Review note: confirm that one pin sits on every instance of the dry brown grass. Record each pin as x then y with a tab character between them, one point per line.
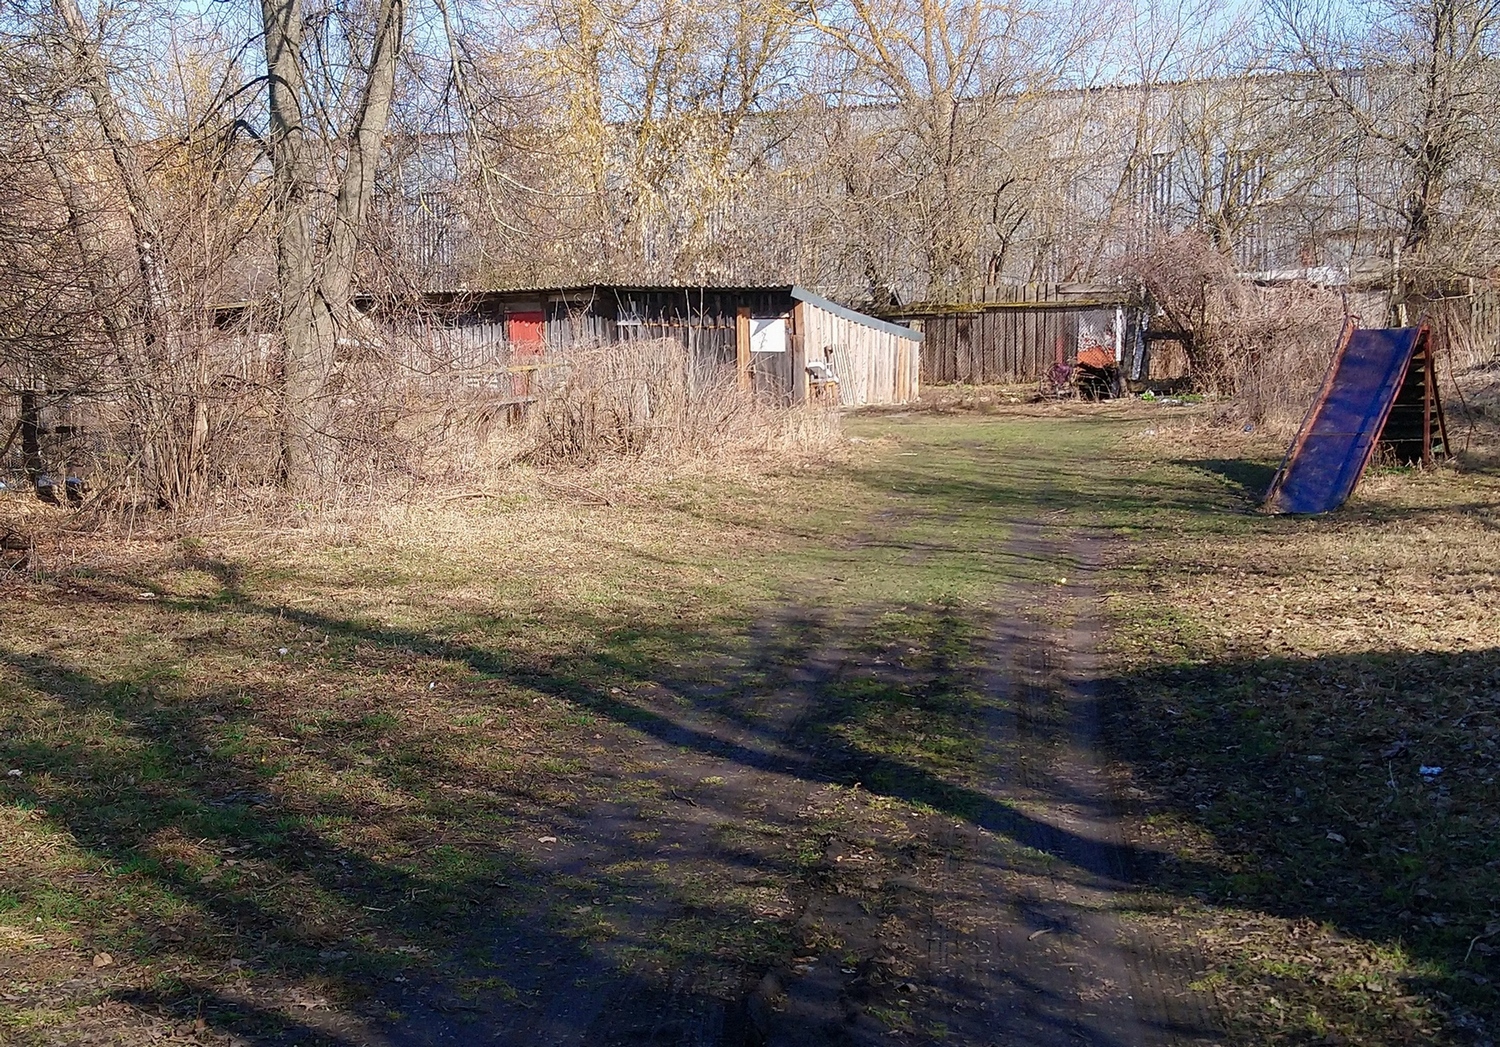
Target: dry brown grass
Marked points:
650	407
609	427
293	723
301	767
1471	398
1286	680
654	401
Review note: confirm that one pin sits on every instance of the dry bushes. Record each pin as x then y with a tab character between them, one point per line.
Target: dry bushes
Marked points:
1265	347
1278	344
657	401
406	414
640	403
407	424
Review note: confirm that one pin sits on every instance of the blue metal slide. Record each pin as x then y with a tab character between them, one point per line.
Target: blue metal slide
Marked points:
1340	432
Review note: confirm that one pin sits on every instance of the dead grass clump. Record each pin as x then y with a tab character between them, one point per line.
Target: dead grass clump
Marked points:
409	419
658	401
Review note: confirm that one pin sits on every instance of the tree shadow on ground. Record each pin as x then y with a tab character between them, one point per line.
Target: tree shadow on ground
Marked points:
397	888
482	934
1307	775
1249	479
610	841
465	933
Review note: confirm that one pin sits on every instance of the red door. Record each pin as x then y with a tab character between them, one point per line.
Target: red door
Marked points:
525	330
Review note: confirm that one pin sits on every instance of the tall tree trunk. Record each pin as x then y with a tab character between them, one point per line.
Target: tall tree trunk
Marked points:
315	270
307	336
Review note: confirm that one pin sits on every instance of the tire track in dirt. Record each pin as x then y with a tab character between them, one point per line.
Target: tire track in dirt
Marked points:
1012	926
1006	926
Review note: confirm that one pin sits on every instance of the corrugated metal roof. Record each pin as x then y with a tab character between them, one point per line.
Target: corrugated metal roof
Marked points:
795	291
575	289
802	294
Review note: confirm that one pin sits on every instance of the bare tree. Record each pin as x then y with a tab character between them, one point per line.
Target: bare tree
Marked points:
1416	83
320	222
73	113
661	106
941	99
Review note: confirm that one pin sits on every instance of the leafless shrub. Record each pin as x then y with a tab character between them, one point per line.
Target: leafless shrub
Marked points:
1278	345
656	400
409	421
1265	347
1198	294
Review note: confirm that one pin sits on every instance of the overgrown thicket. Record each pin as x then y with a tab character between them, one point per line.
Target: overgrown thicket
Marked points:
1267	347
113	246
655	400
1280	341
406	421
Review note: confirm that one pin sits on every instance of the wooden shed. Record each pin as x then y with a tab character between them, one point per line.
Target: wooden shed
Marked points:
782	340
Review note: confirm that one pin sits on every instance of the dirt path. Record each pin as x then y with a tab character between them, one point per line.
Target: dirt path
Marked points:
999	916
1013	927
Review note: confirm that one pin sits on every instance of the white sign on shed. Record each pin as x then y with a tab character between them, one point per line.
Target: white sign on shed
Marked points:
768	336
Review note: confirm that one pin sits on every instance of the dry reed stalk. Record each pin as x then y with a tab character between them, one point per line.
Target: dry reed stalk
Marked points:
410	434
654	401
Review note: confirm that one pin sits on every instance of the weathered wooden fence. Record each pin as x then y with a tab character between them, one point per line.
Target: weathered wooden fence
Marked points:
1015	333
1466	326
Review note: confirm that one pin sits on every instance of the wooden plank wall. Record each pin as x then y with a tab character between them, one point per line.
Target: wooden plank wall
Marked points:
1484	325
772	375
703	322
994	348
1016	340
873	366
414	354
424	353
708	338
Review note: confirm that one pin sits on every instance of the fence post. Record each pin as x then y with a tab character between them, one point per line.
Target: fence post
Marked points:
31	435
742	346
